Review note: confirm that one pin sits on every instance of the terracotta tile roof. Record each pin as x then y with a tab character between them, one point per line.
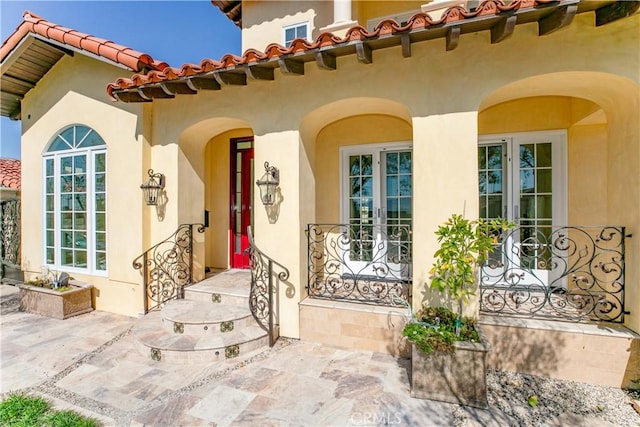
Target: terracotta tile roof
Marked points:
494	15
33	24
231	8
10	173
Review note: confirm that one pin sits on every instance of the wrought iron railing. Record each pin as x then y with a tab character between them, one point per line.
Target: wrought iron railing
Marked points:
571	273
167	268
363	263
263	297
9	235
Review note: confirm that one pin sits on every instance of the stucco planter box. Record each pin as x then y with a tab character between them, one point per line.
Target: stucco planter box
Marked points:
458	377
59	305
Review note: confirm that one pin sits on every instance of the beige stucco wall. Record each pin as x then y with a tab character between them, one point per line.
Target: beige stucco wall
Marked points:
262	21
356	130
434	98
73	93
441	100
586	146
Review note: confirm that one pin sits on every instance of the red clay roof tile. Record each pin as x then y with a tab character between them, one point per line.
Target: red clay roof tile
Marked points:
385	28
33	24
10	173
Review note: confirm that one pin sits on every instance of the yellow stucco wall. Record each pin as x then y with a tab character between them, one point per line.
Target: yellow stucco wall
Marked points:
262	21
369	129
440	100
73	93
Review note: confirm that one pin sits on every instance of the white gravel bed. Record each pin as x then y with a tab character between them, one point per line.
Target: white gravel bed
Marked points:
558	401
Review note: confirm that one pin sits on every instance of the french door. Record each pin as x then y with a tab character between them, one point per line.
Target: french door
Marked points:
241	200
522	177
377	196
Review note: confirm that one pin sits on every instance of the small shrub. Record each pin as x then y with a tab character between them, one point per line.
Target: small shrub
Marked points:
434	329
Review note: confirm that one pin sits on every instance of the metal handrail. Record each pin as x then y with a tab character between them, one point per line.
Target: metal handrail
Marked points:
571	273
263	288
167	267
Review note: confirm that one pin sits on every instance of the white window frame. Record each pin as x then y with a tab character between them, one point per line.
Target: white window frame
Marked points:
306	24
345	152
90	153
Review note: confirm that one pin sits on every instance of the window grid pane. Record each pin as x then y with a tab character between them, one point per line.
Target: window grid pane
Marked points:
75	200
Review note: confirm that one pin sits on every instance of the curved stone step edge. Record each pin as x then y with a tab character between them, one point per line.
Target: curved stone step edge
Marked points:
231	351
217	297
221	327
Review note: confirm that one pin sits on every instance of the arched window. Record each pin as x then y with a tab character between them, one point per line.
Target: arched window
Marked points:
75	201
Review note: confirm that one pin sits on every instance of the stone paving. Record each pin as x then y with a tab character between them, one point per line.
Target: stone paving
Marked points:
88	363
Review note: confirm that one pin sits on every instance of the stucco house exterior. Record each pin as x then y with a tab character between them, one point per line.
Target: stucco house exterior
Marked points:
382	118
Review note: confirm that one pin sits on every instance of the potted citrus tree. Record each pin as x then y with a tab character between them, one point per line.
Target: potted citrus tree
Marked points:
448	355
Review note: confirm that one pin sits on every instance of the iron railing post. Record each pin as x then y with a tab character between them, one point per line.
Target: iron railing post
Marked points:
271	325
145	274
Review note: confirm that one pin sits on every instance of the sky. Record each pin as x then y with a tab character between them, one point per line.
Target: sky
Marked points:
174	31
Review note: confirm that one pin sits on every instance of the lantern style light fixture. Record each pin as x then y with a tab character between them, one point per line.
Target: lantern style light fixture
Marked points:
268	183
152	188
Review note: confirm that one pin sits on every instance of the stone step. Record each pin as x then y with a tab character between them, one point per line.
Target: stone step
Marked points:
166	346
191	317
229	287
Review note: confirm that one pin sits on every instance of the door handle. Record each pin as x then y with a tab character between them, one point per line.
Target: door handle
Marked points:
516	213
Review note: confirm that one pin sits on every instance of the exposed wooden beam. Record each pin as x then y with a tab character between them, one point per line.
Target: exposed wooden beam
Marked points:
405	40
325	60
18	81
291	66
13	94
503	29
155	92
130	96
453	37
559	18
255	72
230	78
363	51
178	87
17	113
616	10
203	83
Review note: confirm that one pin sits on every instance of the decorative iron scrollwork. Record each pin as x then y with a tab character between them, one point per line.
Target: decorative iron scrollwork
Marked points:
361	263
10	233
559	272
168	267
264	287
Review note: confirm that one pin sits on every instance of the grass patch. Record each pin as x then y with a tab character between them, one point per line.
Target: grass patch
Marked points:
20	410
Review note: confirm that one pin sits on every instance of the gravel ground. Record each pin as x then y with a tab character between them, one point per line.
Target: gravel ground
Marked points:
510	392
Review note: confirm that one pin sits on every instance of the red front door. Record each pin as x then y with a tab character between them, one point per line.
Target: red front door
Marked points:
241	199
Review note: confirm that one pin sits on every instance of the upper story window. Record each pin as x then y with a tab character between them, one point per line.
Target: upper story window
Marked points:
297	31
75	165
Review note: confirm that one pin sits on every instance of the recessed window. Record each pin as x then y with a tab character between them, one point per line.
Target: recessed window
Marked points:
75	166
297	31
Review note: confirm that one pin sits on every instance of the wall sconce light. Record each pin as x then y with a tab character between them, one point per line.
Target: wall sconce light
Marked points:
151	188
268	183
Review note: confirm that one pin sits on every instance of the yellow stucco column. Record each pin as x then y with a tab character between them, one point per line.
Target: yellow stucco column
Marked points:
445	181
279	229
